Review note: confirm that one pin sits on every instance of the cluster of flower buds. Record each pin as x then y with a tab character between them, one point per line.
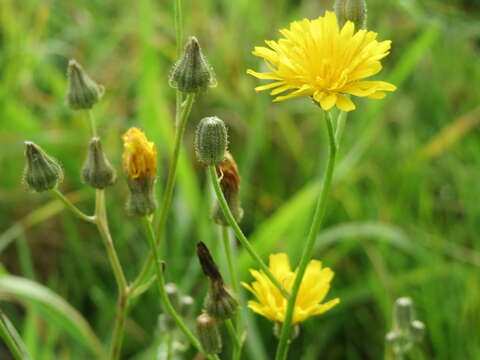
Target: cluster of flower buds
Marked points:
407	331
220	304
351	10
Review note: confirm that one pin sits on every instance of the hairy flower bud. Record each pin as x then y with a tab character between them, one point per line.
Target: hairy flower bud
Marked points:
42	172
192	73
229	176
82	92
97	170
219	303
351	10
140	165
208	334
211	140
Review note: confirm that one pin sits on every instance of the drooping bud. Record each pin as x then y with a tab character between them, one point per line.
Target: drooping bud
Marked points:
97	170
403	312
82	92
219	302
42	172
351	10
229	176
140	165
211	140
192	73
208	334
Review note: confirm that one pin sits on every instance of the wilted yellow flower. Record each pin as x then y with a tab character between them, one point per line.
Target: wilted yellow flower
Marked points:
273	305
139	155
318	59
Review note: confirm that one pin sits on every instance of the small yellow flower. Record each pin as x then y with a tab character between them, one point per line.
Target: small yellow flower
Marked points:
273	305
316	58
139	155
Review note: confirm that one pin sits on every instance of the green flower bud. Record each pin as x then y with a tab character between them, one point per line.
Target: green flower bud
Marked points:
211	140
141	200
403	313
208	334
97	170
82	92
42	172
192	73
351	10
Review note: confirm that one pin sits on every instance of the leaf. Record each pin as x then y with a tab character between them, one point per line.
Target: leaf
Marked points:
53	308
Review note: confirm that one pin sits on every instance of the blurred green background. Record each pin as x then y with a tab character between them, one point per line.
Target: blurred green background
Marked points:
404	212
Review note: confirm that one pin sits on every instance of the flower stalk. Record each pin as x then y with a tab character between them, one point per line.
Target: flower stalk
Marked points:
238	232
318	217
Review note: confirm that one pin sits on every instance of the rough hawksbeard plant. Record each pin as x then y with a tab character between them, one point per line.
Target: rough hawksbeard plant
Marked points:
318	59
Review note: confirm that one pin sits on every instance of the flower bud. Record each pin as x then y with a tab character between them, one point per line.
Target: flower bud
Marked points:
211	140
82	92
97	170
417	330
192	73
208	334
403	313
42	172
227	171
219	302
351	10
140	165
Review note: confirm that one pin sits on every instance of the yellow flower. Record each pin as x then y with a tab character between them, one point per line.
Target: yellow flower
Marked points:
317	59
139	155
273	305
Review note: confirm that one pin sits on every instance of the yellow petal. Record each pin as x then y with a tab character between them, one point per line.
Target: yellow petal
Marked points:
344	103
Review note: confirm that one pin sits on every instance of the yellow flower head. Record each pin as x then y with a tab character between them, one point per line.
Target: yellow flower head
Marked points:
139	155
273	305
317	59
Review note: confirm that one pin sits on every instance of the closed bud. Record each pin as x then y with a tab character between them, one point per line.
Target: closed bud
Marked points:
403	312
227	170
97	170
192	73
211	140
140	165
351	10
82	92
417	330
208	334
219	302
42	172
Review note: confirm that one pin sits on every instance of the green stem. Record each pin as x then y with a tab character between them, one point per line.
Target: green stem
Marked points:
68	204
238	232
103	229
12	339
93	125
233	334
234	280
318	216
163	294
167	199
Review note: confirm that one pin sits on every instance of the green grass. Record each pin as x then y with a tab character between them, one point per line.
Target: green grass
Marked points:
403	216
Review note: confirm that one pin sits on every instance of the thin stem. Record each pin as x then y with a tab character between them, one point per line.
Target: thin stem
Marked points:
167	199
318	216
12	339
68	204
234	283
93	125
163	294
103	229
233	334
238	232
